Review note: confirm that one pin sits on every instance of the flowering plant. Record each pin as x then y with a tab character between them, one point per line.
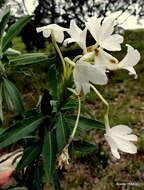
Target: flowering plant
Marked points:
55	127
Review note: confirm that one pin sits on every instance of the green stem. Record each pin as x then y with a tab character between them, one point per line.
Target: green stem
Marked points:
69	61
76	58
106	116
77	119
59	52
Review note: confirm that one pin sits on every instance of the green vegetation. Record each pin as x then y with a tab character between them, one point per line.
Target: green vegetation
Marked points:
99	170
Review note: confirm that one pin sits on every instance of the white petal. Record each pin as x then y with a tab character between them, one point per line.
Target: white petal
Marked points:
113	146
52	27
97	75
105	60
132	57
92	73
56	27
121	129
94	26
69	40
74	30
112	43
87	56
77	35
86	87
46	33
84	73
125	145
78	86
59	36
131	137
106	28
40	29
131	70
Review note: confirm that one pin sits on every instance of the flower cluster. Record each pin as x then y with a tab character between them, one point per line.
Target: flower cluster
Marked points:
92	66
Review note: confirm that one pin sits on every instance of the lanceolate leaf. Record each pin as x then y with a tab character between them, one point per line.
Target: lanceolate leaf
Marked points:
29	155
52	78
84	146
62	132
19	130
14	30
84	124
14	95
7	102
49	155
29	59
4	17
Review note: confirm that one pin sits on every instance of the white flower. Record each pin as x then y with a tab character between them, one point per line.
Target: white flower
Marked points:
119	137
57	30
30	6
107	61
85	72
102	33
131	59
76	35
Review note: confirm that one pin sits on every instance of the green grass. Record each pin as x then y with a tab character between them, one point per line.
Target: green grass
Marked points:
98	170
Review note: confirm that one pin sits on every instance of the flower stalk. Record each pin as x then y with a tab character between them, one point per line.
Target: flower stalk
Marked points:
106	116
59	52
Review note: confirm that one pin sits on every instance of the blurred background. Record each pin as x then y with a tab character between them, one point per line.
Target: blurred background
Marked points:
96	170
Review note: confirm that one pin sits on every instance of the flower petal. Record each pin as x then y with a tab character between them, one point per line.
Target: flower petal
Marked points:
107	28
120	129
77	35
94	26
112	43
84	73
105	60
46	33
59	36
132	57
125	145
113	146
87	56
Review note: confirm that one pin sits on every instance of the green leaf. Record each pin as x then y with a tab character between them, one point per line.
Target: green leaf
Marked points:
84	146
52	79
14	95
84	124
19	131
4	17
29	155
72	104
29	59
62	132
14	30
7	102
49	155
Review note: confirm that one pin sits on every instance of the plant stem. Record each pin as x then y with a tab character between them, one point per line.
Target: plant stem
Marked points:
69	61
59	52
78	116
106	116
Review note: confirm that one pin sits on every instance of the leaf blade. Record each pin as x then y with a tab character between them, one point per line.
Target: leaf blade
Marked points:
29	59
49	155
62	133
14	30
19	131
29	155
